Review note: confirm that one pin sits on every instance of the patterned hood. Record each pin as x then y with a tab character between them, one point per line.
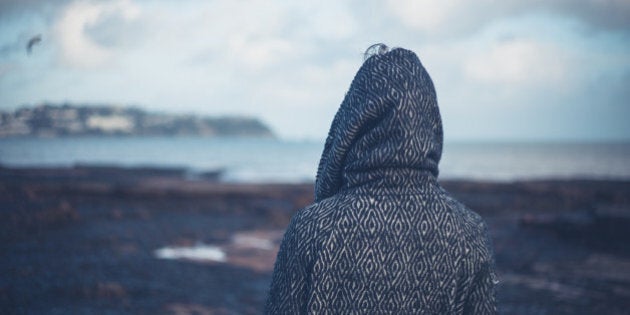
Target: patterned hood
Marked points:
388	125
383	236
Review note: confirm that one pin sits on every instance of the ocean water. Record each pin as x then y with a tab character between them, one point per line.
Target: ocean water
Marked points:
276	160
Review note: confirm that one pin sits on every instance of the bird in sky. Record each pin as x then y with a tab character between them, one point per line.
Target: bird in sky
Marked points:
32	42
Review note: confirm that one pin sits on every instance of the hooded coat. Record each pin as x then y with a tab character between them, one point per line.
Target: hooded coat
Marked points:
382	235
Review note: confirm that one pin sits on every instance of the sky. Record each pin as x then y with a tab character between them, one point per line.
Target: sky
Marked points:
504	70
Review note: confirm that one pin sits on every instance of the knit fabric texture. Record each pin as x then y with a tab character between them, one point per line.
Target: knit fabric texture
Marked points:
382	236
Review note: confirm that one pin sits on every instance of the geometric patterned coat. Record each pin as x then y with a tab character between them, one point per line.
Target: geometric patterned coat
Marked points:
382	236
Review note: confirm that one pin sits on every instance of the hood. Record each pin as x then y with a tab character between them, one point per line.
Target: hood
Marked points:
388	125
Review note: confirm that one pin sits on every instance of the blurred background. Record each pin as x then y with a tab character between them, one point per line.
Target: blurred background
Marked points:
152	152
504	70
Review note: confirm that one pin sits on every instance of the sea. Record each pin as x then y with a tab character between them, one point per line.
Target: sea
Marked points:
263	160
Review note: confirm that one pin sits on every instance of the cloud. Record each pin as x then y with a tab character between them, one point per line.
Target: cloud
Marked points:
257	54
16	7
290	62
257	33
457	17
17	45
77	48
524	62
601	14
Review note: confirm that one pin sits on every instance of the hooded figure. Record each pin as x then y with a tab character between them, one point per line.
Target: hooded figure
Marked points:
382	235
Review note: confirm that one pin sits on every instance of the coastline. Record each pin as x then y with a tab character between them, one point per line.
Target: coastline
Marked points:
81	241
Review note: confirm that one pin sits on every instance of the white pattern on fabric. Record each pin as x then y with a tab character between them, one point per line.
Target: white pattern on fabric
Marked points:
382	236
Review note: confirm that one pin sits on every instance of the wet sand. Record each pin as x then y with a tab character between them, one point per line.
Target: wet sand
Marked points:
82	240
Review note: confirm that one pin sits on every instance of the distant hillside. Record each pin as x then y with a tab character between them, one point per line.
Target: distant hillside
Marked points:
50	120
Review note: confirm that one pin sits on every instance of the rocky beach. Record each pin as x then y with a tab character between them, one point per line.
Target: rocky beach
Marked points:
110	240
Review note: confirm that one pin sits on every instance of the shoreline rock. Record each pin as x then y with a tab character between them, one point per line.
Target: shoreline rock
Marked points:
90	244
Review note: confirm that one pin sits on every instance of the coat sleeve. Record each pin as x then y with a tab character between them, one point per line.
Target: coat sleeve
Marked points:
482	296
288	293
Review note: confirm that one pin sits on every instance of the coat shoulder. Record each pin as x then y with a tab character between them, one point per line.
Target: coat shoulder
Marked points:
472	227
310	221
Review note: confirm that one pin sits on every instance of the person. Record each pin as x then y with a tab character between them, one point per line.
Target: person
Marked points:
383	236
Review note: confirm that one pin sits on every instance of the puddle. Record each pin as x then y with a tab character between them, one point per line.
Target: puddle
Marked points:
199	252
254	250
252	242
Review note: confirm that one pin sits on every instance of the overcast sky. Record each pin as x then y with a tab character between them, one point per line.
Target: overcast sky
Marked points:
503	69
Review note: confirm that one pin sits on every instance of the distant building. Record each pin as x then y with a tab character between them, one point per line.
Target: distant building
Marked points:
49	120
